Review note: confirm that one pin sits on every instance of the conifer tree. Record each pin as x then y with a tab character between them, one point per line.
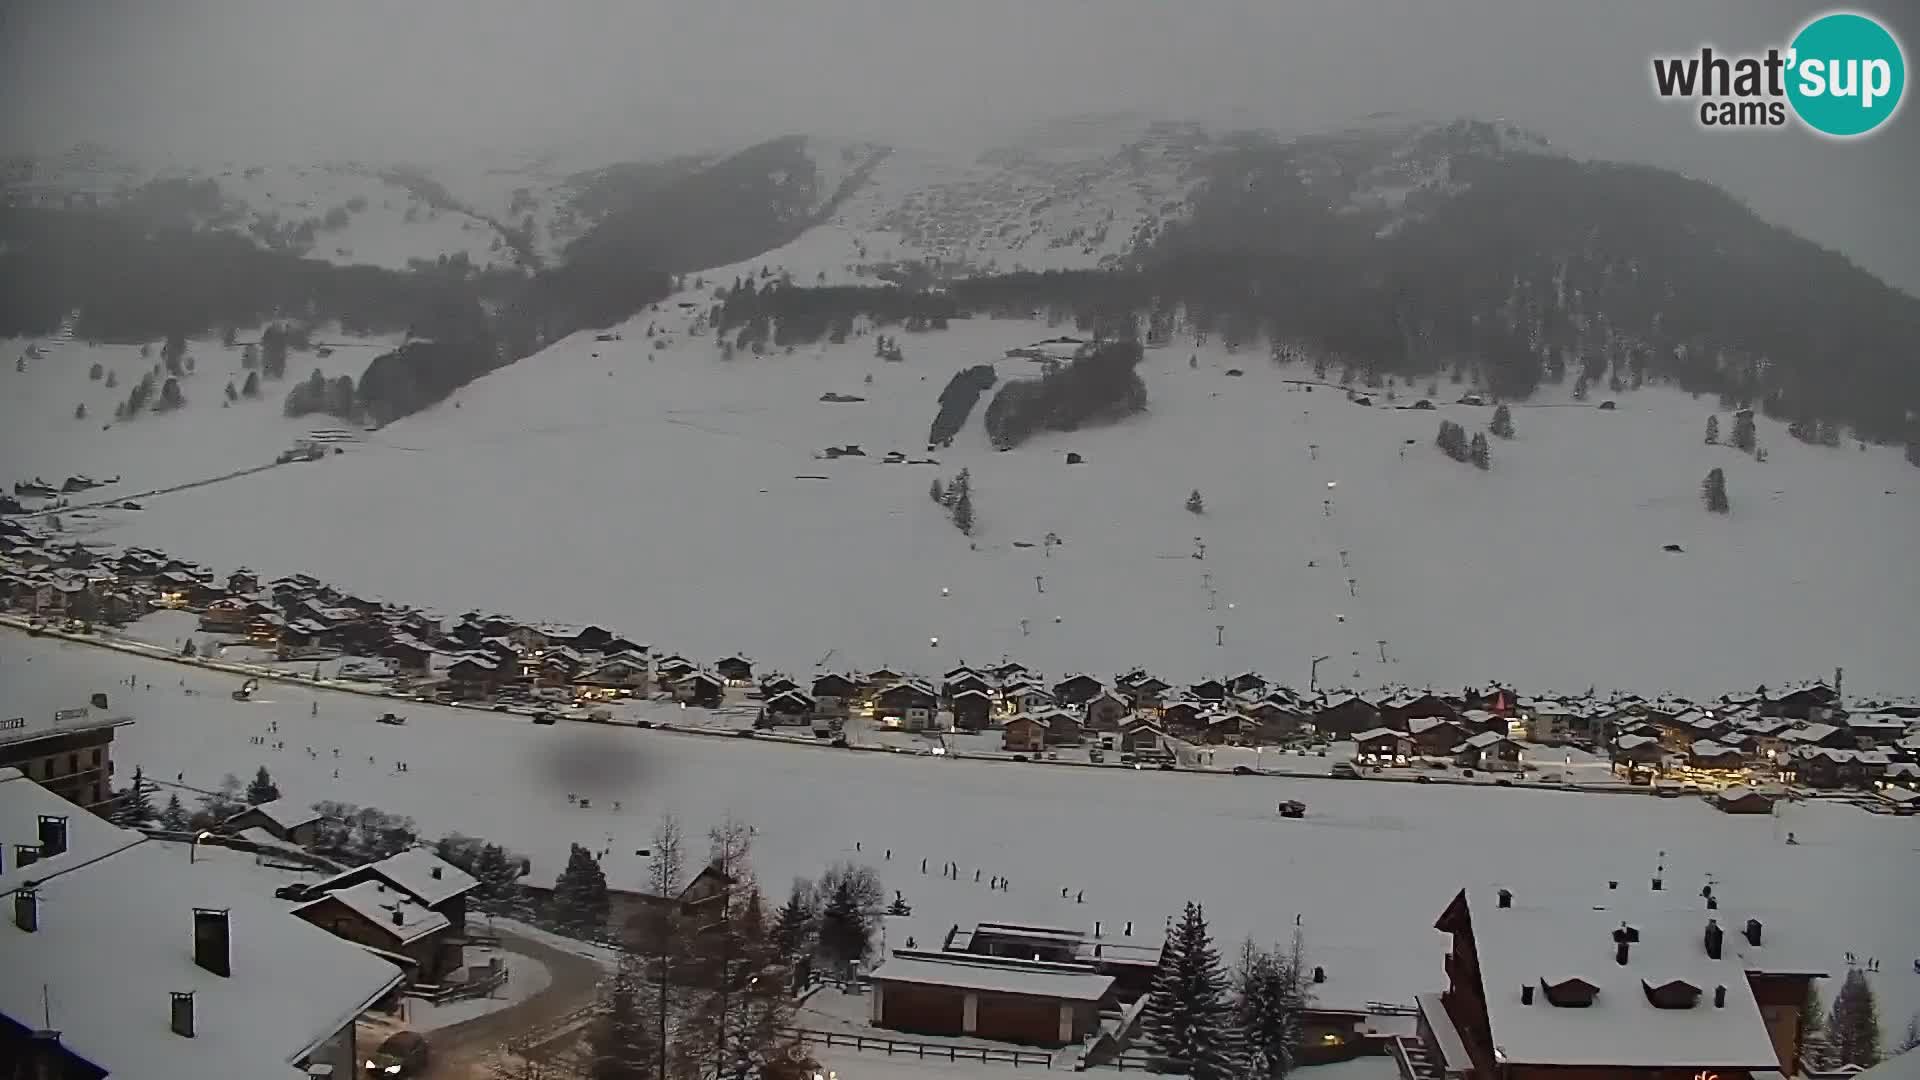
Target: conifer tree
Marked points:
134	808
580	893
621	1045
1813	1025
795	927
845	932
1744	437
1188	1019
1269	995
1502	425
174	817
963	513
1714	491
1853	1027
1481	454
262	789
1713	430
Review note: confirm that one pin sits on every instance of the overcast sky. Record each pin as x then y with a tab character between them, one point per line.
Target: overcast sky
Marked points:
423	79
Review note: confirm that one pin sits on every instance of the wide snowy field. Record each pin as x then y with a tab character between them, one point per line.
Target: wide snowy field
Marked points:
1367	871
678	497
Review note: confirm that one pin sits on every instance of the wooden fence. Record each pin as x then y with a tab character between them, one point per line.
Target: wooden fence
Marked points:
924	1050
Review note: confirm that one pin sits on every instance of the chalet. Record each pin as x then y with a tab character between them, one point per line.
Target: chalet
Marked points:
736	669
614	645
1815	701
1876	729
882	677
1550	721
789	707
228	616
1106	711
1480	721
1076	690
475	676
1023	733
409	655
1025	697
1382	746
775	685
1209	690
1740	799
1148	692
1009	670
558	667
1275	720
1708	754
1143	738
1536	993
620	672
1822	735
1063	726
1344	714
958	672
960	684
1635	751
1247	684
1132	959
1823	767
1397	711
833	694
1489	751
909	705
972	710
390	923
1227	727
1019	1001
1183	715
1434	736
672	669
421	875
702	689
282	819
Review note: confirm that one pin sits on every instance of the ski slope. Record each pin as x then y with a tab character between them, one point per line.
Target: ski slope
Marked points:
1367	871
678	497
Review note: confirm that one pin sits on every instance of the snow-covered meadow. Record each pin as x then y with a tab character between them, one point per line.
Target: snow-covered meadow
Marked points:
678	497
1367	871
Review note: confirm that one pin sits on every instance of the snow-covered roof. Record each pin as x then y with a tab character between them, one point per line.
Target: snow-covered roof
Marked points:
1521	946
1899	1067
285	813
22	803
389	909
996	976
1810	734
1707	748
417	871
29	709
1421	724
1375	733
1633	742
114	943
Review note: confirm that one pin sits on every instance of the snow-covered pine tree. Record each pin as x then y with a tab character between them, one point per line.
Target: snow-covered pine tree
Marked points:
845	932
1268	997
174	817
1853	1027
795	927
580	893
1713	430
1744	436
1910	1040
1188	1019
1480	453
1502	425
134	808
1813	1026
963	512
1714	491
262	789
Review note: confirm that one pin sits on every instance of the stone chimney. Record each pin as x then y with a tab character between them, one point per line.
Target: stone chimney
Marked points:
1526	993
1753	932
399	917
26	910
213	941
1715	938
1720	997
1506	898
436	873
181	1016
1622	945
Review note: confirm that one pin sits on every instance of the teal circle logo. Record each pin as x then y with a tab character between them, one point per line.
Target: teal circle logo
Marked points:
1847	75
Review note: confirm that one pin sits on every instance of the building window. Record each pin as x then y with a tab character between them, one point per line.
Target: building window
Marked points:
73	763
95	760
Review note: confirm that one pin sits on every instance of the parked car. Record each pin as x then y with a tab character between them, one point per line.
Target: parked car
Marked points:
1344	770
